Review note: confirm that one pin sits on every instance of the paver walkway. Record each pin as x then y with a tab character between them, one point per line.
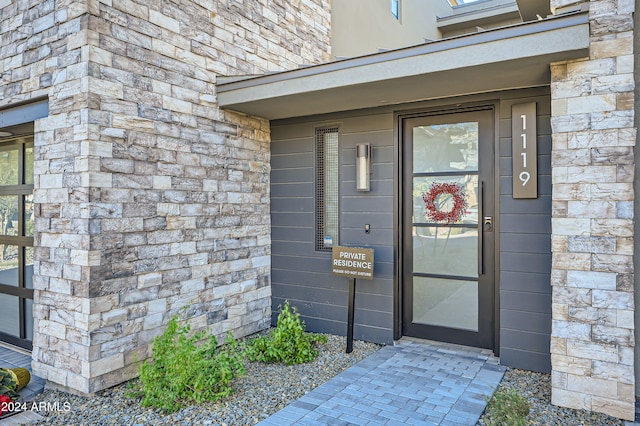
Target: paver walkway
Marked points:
414	382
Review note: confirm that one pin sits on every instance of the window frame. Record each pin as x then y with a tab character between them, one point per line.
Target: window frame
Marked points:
23	241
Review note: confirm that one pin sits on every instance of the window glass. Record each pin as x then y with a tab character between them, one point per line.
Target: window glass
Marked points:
28	163
9	314
445	303
462	2
28	307
9	165
445	147
9	215
28	267
327	189
29	218
9	265
395	8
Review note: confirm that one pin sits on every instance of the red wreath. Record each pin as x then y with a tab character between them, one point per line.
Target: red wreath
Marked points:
459	202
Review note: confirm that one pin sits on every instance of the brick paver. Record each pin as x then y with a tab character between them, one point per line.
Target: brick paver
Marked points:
414	382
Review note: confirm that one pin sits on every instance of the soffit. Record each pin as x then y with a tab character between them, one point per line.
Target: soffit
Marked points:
501	59
531	9
486	16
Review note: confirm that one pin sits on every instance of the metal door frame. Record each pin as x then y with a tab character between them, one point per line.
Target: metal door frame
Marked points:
399	117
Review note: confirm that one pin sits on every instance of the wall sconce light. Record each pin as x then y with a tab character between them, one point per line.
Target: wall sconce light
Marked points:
363	167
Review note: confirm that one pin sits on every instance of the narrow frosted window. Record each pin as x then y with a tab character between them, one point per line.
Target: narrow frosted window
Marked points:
327	188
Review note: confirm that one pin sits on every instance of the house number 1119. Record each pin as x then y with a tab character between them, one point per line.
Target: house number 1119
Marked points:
524	152
524	176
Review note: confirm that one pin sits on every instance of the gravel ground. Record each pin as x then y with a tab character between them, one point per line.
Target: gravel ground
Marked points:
265	389
536	387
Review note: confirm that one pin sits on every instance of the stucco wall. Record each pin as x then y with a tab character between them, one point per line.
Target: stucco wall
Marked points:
150	200
362	27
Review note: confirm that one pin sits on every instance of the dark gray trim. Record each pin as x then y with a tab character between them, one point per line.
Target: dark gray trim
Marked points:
484	336
504	33
432	108
397	226
24	113
497	230
473	102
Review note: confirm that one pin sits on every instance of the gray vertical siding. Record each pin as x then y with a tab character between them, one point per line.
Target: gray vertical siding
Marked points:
301	274
525	249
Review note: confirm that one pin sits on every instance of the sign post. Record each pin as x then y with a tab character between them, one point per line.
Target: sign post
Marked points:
351	314
352	262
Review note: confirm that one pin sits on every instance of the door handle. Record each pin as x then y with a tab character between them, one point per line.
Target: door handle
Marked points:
488	224
481	230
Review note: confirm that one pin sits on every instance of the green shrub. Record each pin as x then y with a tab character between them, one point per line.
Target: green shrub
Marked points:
181	371
507	408
286	343
8	385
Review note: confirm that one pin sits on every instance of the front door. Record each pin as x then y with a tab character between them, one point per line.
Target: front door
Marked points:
448	227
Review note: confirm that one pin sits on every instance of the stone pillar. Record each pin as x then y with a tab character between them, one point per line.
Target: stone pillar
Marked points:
592	338
151	201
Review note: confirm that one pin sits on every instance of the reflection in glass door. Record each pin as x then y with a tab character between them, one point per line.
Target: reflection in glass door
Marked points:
448	265
17	221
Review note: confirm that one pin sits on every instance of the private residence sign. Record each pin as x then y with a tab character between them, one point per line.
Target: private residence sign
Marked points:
352	262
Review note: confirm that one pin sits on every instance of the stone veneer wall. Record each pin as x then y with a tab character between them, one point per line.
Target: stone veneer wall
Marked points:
592	343
150	200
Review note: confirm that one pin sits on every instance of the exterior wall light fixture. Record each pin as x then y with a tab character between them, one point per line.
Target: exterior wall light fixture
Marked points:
363	167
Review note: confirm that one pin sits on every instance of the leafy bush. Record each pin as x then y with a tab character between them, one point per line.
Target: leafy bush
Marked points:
182	371
8	385
507	408
286	343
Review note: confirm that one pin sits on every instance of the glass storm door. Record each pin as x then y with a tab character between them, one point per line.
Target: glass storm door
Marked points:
448	235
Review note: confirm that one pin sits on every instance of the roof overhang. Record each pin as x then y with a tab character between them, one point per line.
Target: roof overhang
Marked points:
506	58
531	9
468	17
